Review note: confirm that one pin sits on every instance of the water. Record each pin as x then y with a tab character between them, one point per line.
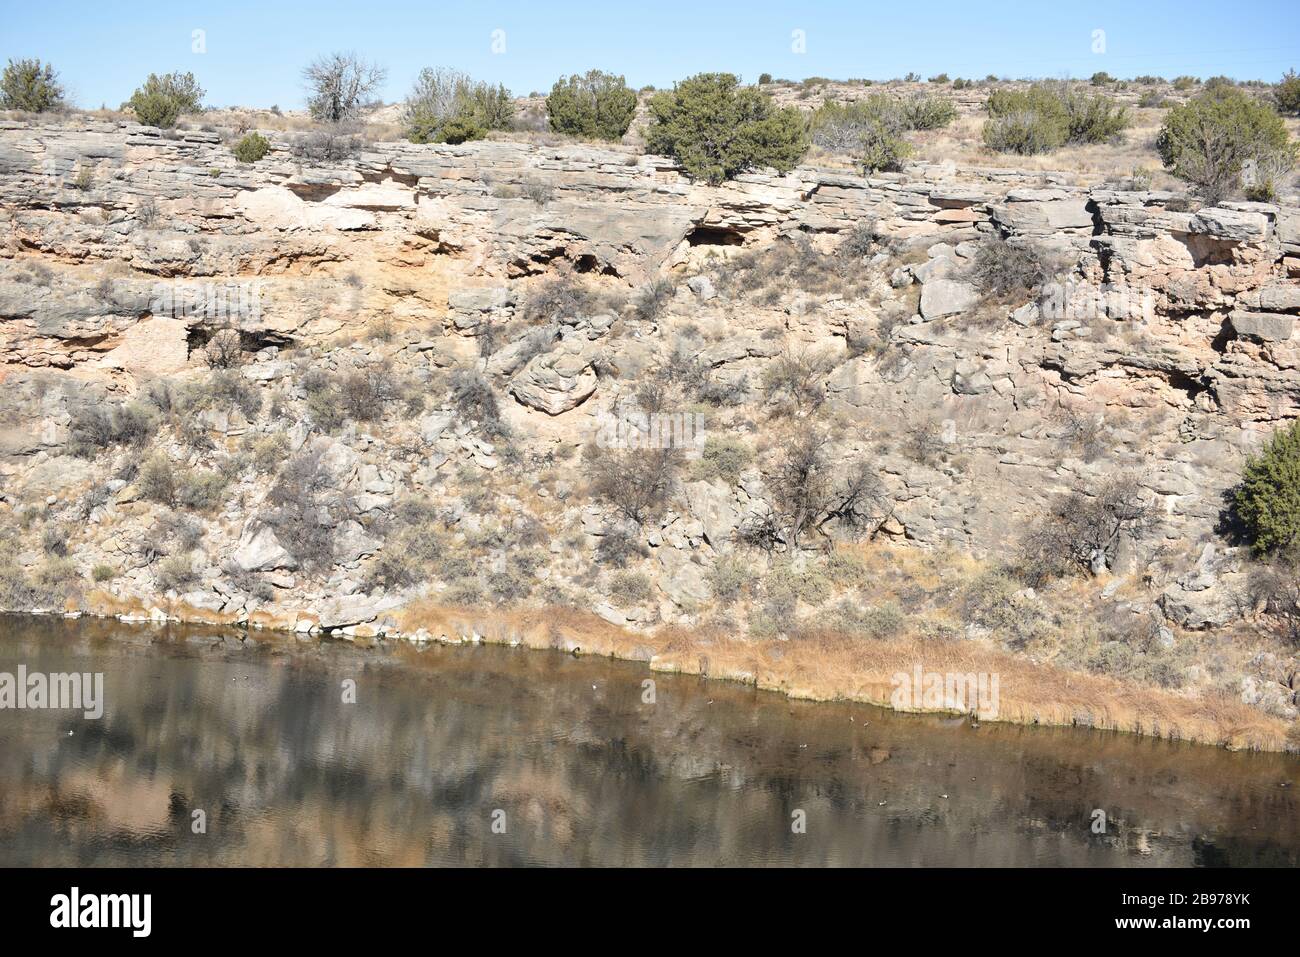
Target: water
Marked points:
256	735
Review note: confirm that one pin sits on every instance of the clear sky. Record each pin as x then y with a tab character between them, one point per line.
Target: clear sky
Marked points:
254	51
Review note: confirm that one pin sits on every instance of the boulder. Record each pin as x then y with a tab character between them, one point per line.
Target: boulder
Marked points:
946	297
259	550
712	504
1265	326
1230	224
555	382
1198	609
682	580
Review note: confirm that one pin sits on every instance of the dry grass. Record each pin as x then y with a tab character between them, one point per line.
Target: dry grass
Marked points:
825	666
962	143
821	664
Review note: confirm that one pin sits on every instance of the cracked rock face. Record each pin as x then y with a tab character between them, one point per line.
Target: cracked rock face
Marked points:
1167	347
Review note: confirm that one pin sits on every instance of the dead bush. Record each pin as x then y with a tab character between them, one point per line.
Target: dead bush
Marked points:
156	480
617	547
95	428
794	382
54	540
1006	273
557	299
637	483
225	350
364	393
654	298
201	490
475	401
304	514
330	144
1274	586
1083	531
808	490
223	389
175	572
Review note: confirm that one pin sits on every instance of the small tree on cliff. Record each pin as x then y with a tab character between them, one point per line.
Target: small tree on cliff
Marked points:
1287	94
595	106
447	106
340	86
1211	139
1268	499
160	100
30	85
716	128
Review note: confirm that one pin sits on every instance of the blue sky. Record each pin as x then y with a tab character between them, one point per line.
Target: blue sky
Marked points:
255	51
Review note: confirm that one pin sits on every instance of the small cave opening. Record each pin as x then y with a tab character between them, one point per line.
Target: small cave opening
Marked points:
250	340
1225	335
1191	386
588	263
714	236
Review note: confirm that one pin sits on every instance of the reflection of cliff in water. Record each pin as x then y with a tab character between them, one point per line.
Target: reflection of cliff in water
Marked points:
256	734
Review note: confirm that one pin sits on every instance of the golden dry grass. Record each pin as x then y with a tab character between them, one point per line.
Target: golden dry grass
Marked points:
826	666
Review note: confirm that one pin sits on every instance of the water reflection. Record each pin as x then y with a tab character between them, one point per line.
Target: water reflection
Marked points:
256	734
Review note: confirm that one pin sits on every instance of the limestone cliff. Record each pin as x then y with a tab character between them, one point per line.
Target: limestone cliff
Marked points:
1162	353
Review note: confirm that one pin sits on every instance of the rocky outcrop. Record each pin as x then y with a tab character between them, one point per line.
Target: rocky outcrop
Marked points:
1163	349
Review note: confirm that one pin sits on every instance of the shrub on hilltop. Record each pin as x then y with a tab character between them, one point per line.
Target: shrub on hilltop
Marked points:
447	106
1046	116
873	129
1287	94
31	86
596	105
160	100
717	128
1214	138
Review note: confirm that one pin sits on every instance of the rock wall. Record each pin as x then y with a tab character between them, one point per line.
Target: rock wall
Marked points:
1165	353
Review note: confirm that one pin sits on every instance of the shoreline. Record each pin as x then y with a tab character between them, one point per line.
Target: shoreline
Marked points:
832	668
